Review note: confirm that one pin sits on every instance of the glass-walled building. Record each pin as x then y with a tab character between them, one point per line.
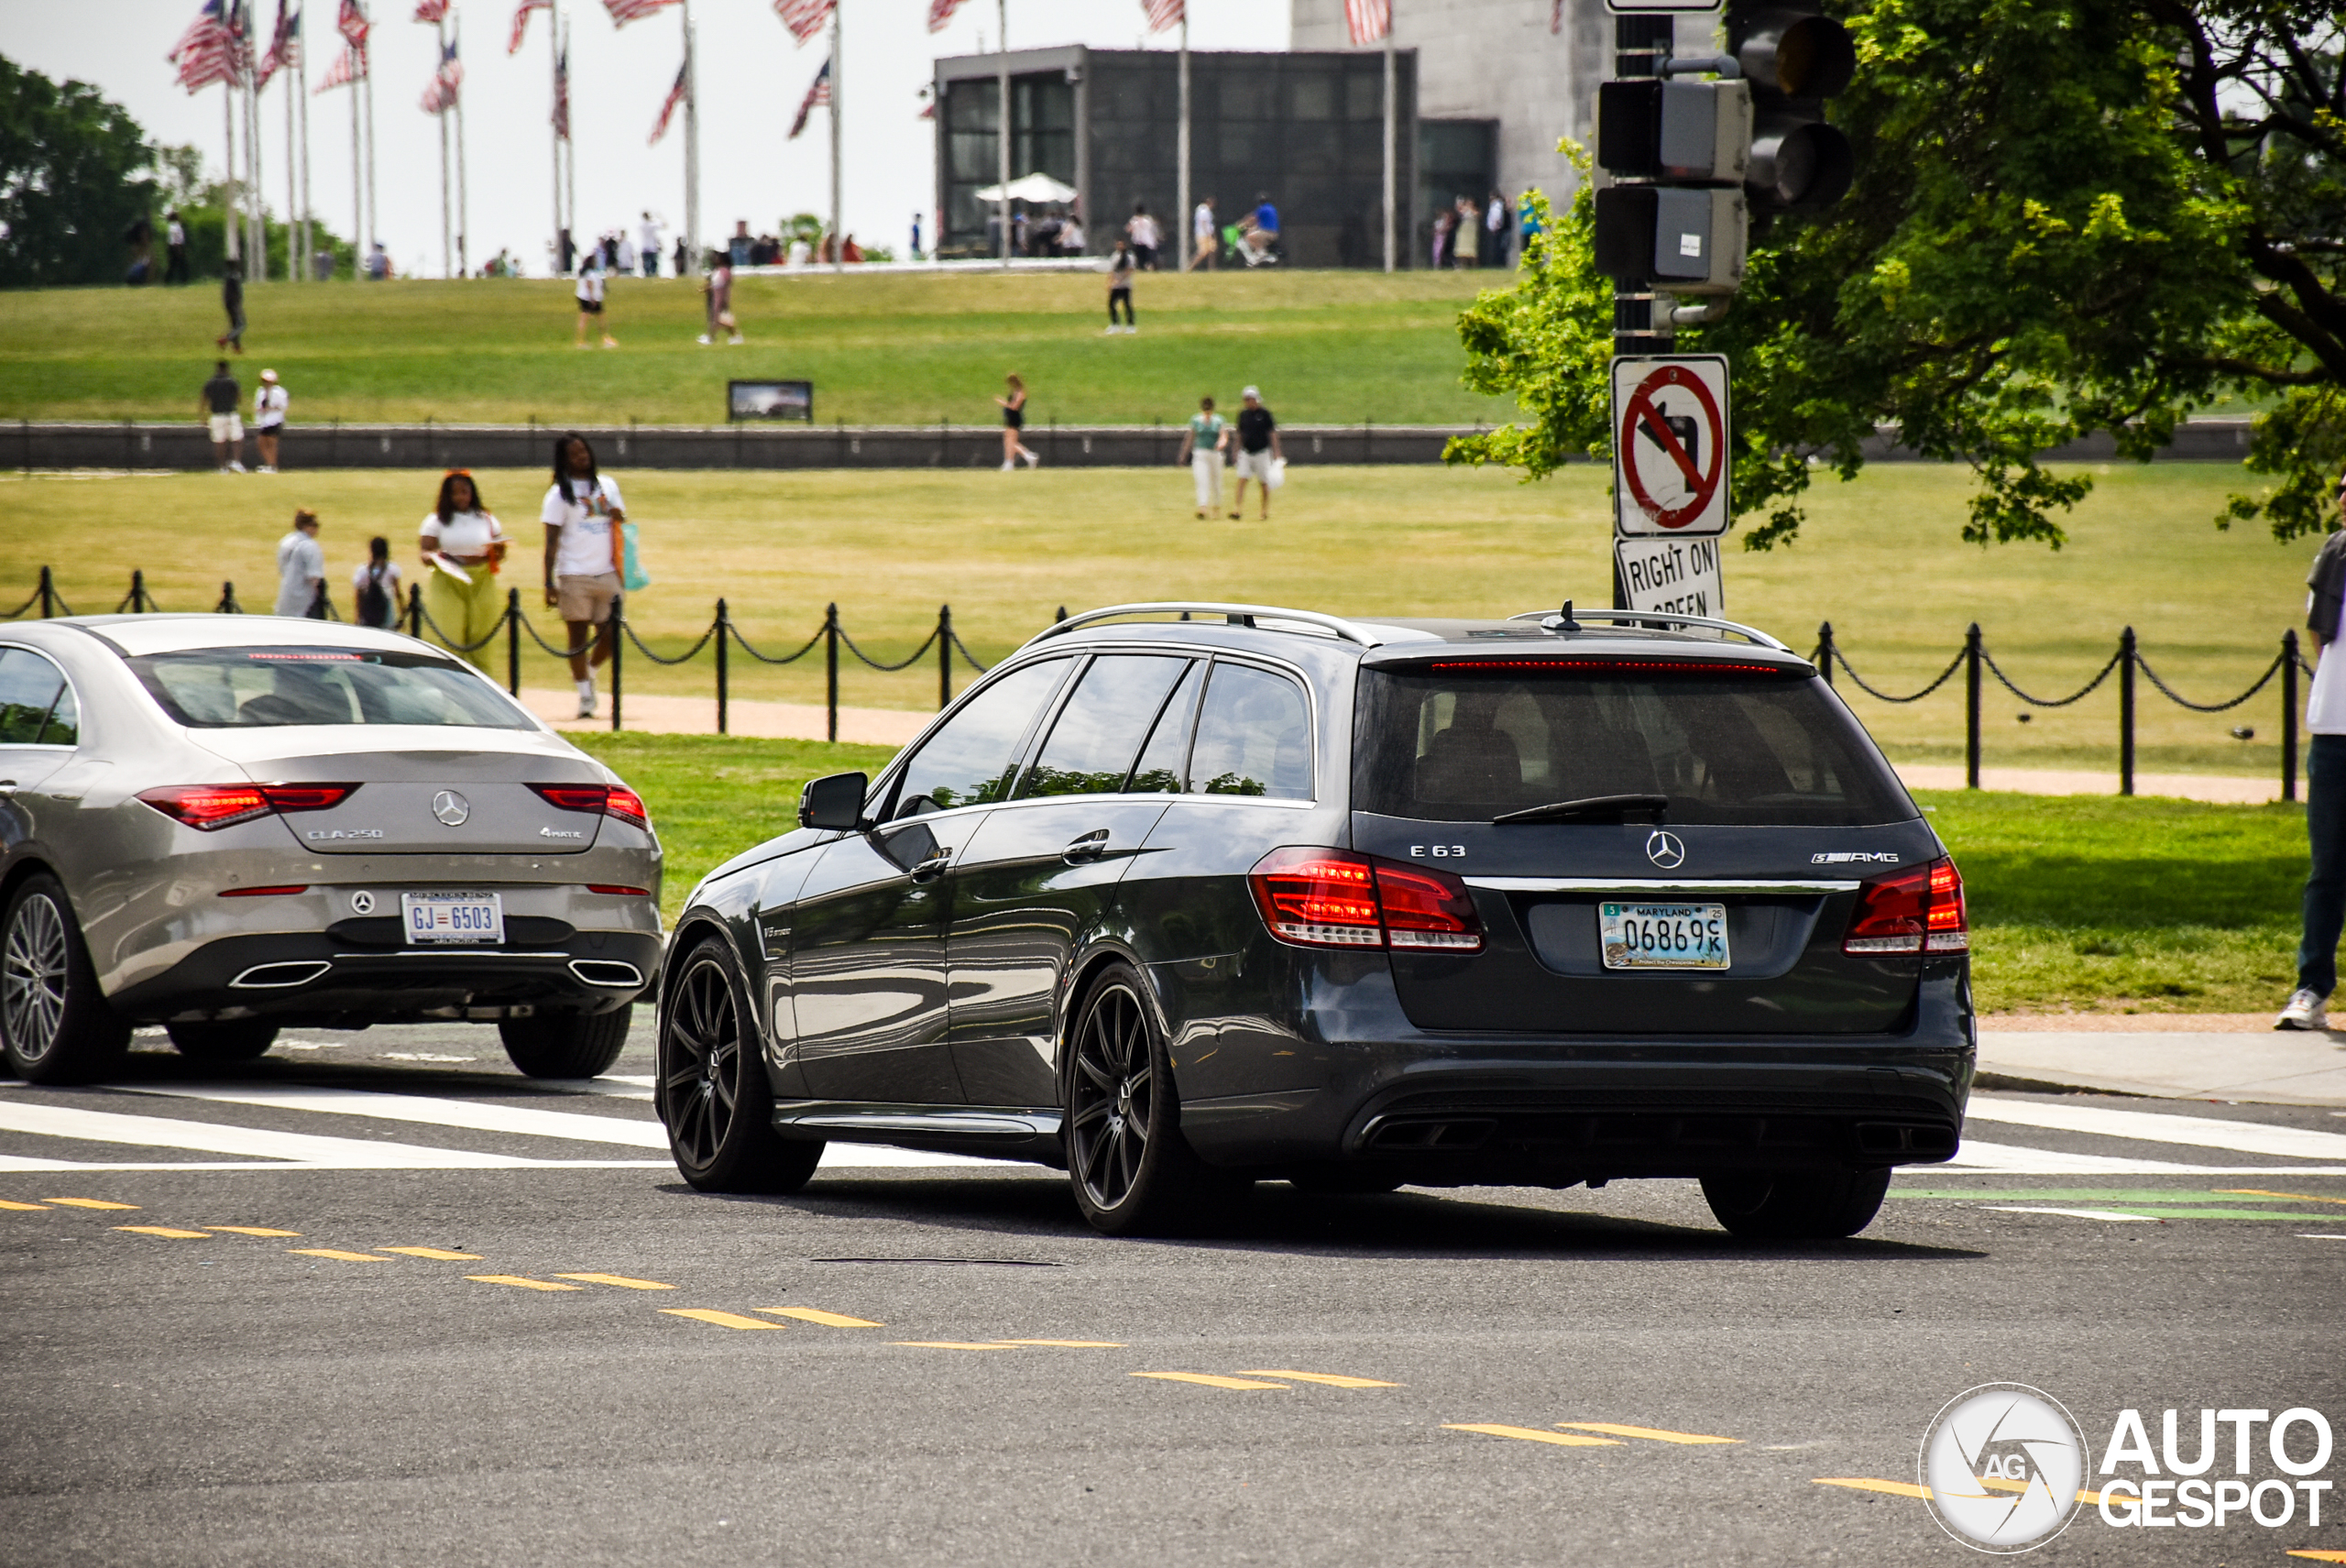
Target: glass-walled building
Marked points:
1305	129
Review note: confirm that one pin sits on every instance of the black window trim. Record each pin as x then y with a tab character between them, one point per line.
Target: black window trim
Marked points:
893	777
1310	718
65	675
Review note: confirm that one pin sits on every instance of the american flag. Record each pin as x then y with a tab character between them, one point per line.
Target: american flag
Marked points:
206	52
1370	19
805	18
349	68
352	23
284	46
940	11
816	96
668	109
522	22
430	10
440	93
1164	14
562	95
625	11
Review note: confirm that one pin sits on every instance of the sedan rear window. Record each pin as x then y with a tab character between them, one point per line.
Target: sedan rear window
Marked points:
248	688
1475	740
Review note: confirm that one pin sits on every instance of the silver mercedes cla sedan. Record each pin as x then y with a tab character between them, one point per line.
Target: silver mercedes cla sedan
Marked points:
230	825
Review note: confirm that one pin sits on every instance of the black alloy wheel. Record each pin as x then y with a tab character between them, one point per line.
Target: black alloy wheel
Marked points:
712	1091
55	1026
1131	1172
235	1039
1796	1205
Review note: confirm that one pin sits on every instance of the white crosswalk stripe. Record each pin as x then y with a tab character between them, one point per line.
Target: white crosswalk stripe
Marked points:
2162	1127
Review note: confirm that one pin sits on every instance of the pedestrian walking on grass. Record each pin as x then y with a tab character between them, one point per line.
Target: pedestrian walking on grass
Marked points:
232	299
591	278
1205	237
583	515
1141	230
301	570
2325	897
1258	453
462	543
219	401
1202	447
268	419
717	291
375	587
1014	419
1120	288
175	269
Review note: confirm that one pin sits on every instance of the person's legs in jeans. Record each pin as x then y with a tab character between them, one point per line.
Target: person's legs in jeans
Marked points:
2325	904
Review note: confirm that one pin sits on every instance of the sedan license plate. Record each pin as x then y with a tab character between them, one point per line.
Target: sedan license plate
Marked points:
1663	936
453	916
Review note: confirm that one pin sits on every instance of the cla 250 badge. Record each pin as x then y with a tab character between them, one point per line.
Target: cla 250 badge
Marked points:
333	833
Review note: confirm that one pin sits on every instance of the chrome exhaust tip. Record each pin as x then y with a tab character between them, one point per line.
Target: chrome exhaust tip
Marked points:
279	976
607	971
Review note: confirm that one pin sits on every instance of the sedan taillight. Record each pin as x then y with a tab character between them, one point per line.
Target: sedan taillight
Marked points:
1334	898
1918	911
608	800
208	807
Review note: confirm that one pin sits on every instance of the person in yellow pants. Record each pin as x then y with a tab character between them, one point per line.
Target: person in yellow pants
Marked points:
463	543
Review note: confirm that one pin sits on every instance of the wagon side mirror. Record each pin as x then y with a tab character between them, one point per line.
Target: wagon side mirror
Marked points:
835	803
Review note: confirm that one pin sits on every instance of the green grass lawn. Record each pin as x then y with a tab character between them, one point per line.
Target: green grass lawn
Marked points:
2140	906
881	349
1881	560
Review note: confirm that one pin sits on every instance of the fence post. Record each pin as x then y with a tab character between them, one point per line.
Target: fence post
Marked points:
619	646
724	629
138	593
944	657
47	595
831	671
1824	650
2126	711
1061	616
1971	708
415	609
2289	714
227	605
513	642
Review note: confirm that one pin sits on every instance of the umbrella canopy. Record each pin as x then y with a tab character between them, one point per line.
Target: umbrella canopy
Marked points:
1036	187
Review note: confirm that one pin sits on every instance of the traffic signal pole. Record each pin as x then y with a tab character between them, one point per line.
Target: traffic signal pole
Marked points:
1641	47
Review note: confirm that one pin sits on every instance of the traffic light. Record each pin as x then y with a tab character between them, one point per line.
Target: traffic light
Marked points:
1683	147
1793	59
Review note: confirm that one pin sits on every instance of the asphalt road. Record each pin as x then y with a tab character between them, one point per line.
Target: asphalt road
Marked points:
429	1345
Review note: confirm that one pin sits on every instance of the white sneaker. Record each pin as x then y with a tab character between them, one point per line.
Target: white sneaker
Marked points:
1011	466
736	337
236	467
702	340
1034	459
264	468
2305	1011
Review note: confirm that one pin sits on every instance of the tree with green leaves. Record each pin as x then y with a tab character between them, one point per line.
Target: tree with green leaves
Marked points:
2068	216
76	176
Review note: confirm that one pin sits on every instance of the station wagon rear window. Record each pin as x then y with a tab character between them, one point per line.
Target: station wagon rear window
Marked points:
1472	739
252	688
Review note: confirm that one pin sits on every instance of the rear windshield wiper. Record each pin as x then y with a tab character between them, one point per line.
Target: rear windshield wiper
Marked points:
1595	805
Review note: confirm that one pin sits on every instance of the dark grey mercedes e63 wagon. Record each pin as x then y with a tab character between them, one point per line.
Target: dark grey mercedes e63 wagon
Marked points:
1183	896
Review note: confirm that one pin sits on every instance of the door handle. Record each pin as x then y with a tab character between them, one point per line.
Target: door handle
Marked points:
1090	847
933	867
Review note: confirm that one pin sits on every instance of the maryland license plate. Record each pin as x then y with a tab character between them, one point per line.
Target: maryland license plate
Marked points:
1663	936
453	916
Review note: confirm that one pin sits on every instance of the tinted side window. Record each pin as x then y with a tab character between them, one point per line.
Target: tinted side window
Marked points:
1253	736
64	721
1162	763
970	762
29	685
1096	735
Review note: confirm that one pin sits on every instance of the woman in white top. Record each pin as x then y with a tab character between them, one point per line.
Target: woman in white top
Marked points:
376	595
590	297
462	544
583	516
268	419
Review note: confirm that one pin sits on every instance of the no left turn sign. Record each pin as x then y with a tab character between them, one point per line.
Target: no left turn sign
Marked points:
1670	440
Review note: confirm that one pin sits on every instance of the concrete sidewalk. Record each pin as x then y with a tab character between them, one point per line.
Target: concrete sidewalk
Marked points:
2172	1056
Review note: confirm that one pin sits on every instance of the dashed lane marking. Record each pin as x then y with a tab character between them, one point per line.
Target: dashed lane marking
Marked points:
621	1280
521	1281
1210	1381
242	1230
1652	1435
2260	1192
941	1344
22	1208
1332	1379
439	1253
2319	1236
722	1320
1071	1343
337	1254
817	1315
2112	1215
91	1203
2151	1214
1532	1434
168	1231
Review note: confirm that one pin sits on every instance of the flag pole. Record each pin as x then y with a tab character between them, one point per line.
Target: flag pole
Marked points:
292	181
464	203
1182	223
569	168
839	235
1392	120
439	86
232	235
692	146
301	92
1002	127
252	161
357	181
373	238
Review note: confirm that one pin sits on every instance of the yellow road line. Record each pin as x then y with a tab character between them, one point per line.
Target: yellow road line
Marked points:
1998	1484
21	1208
1870	1484
520	1281
1653	1434
1532	1434
1071	1343
941	1344
168	1231
817	1315
2321	1556
440	1253
621	1280
1332	1379
2260	1192
242	1231
1212	1381
336	1253
722	1320
91	1203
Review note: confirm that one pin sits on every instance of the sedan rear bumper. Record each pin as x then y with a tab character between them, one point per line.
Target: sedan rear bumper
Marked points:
315	978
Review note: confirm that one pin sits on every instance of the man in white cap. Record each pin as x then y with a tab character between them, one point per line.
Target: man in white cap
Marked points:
1258	449
268	419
